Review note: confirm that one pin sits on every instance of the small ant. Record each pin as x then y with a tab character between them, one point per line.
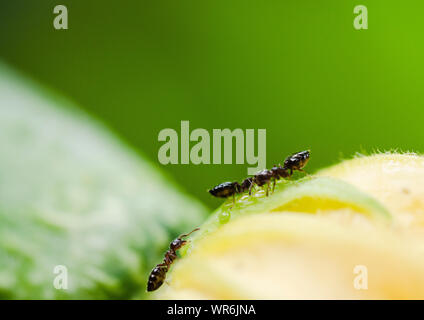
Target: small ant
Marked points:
158	274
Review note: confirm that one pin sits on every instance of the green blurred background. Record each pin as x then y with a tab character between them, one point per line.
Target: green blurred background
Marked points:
296	68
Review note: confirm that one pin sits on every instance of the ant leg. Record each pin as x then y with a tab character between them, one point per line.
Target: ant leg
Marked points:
167	260
267	189
290	174
250	189
273	185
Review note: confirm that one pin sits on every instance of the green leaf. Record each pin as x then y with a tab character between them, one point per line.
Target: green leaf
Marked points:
311	195
72	194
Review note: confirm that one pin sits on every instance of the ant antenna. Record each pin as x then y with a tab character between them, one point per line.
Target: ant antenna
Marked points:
186	235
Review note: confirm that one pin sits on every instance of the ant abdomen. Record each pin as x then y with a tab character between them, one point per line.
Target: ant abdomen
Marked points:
225	189
297	161
157	277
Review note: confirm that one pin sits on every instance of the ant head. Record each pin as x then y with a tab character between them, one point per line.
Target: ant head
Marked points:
176	244
179	242
246	182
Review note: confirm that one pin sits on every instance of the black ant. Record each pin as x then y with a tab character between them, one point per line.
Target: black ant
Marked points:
158	274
